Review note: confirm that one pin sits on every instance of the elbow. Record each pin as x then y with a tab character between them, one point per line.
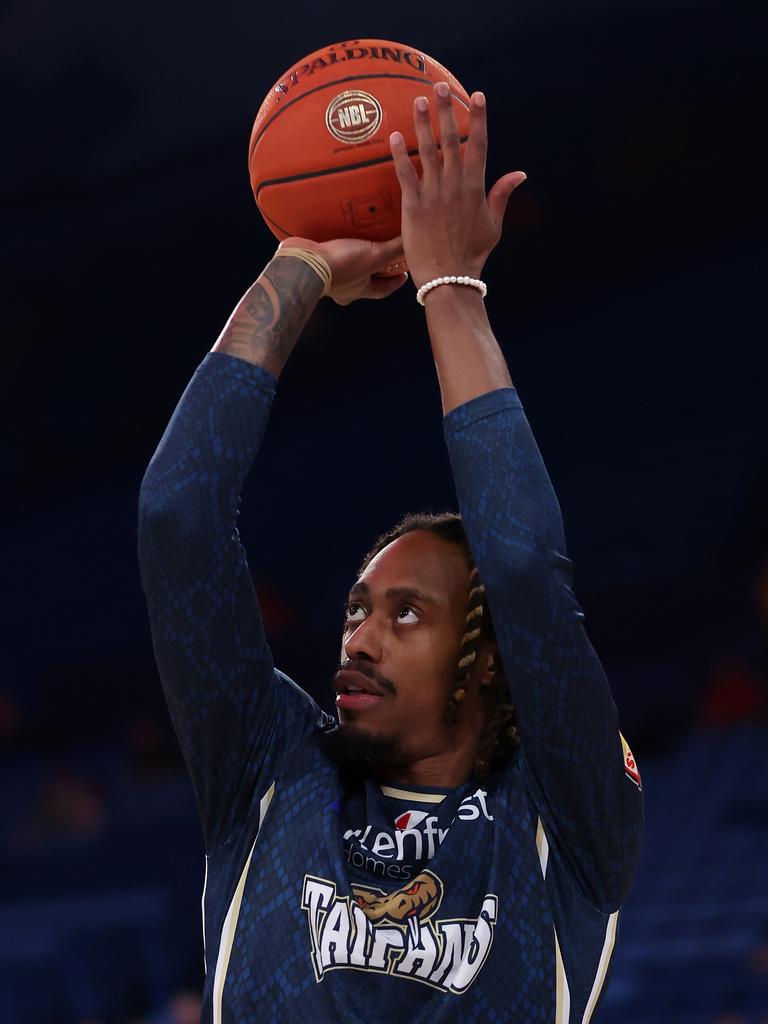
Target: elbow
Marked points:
523	572
606	886
531	557
154	528
164	524
173	502
156	508
617	865
180	528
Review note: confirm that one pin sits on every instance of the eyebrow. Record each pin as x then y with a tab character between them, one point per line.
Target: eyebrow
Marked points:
392	592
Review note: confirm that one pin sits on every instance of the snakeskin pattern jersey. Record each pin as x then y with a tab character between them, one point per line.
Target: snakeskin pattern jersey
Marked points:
329	897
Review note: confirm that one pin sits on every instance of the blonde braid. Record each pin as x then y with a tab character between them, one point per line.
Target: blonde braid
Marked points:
499	736
473	627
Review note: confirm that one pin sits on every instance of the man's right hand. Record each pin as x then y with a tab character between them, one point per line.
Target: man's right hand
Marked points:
353	263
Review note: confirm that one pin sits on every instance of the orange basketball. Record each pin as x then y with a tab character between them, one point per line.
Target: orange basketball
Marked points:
319	154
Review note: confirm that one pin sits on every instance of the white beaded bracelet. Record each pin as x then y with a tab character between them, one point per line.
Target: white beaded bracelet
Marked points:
474	282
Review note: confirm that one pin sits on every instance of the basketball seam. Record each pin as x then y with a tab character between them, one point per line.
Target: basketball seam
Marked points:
275	224
337	170
328	85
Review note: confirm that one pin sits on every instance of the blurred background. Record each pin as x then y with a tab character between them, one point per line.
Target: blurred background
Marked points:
628	294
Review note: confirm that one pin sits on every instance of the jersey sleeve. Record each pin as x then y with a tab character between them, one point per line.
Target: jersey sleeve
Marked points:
573	755
237	718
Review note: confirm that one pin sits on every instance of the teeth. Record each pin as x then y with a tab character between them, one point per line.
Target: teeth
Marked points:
355	689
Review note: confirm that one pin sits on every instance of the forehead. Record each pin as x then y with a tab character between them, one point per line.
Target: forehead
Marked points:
422	560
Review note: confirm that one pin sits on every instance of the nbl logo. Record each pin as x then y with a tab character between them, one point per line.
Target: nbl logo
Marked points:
353	116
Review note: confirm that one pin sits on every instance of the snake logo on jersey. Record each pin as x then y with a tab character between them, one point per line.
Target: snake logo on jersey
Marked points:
397	933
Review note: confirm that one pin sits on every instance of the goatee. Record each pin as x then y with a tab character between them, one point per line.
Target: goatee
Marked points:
349	747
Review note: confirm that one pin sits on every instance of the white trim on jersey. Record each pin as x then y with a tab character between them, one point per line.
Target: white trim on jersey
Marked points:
562	992
202	904
563	1006
602	967
419	798
542	846
230	921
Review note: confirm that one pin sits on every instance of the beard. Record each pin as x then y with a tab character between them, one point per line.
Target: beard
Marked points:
351	747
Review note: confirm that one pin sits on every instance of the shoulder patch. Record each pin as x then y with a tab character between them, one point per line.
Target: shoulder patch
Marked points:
630	765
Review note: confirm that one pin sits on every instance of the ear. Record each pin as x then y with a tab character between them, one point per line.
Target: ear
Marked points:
488	659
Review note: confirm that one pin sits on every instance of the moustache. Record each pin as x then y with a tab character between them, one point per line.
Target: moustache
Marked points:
367	670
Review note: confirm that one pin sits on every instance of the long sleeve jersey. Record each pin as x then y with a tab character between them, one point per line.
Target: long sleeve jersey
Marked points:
330	897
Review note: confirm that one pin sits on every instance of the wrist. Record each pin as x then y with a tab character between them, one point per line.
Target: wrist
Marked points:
450	298
455	284
311	257
268	320
464	267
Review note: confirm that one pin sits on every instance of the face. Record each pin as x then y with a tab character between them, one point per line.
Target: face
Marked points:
404	622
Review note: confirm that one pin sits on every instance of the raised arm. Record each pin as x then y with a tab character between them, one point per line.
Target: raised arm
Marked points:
449	228
235	716
573	758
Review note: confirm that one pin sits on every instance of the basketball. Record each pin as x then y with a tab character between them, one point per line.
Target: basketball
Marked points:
319	159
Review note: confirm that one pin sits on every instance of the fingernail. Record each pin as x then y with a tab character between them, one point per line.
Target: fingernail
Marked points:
396	139
421	103
524	178
442	89
480	99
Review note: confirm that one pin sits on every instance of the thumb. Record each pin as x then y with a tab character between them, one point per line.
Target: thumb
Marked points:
383	253
499	195
380	288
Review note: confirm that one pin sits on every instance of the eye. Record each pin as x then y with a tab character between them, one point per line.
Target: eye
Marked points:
354	612
407	610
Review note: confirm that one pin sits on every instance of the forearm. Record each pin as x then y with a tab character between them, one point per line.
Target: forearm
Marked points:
268	320
227	401
467	356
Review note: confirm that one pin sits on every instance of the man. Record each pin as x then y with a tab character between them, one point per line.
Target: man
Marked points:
418	860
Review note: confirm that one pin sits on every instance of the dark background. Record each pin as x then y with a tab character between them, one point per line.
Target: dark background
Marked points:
628	295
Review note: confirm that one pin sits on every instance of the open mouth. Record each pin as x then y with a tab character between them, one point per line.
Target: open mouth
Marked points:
356	699
348	680
356	691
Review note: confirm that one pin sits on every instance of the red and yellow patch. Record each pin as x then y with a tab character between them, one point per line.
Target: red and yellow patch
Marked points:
630	765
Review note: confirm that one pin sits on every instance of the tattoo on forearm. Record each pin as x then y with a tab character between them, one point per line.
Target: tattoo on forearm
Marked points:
268	320
263	305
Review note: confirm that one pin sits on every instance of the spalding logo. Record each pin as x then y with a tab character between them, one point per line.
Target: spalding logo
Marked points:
353	116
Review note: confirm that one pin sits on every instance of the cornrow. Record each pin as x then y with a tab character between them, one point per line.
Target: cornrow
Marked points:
499	737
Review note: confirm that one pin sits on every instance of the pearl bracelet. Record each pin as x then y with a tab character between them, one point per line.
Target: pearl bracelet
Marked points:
474	282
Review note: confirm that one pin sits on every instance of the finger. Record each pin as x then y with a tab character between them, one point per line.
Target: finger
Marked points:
404	169
382	287
499	195
449	130
384	253
428	151
477	143
296	241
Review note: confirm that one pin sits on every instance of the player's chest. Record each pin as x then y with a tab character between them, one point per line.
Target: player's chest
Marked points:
395	885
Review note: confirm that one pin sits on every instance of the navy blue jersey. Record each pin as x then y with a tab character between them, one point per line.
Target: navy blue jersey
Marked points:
330	897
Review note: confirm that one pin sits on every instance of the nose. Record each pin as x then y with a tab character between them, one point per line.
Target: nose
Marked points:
365	641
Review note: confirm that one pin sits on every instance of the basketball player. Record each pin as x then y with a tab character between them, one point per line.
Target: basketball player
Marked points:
457	845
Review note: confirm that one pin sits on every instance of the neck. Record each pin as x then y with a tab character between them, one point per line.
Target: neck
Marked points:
447	768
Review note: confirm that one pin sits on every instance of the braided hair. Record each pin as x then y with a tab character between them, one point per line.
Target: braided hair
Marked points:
499	737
